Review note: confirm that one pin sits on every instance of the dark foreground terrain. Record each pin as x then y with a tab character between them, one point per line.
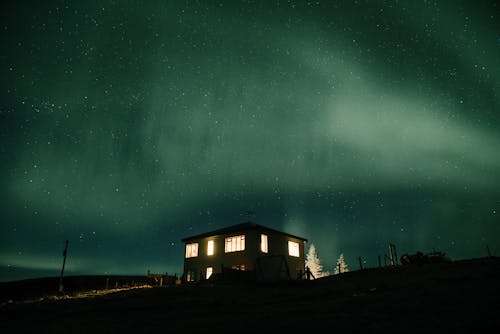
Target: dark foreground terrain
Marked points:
462	296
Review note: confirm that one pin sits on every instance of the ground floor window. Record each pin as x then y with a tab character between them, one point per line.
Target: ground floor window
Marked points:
239	267
210	271
190	276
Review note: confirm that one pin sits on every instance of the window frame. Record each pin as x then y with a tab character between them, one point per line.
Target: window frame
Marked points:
192	250
235	243
190	276
210	247
209	272
264	243
293	248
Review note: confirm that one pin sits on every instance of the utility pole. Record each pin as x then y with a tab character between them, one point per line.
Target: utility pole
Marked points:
65	253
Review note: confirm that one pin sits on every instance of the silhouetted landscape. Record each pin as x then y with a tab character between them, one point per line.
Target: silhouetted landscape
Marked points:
455	296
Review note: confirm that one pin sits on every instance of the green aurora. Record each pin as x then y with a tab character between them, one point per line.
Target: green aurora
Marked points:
128	125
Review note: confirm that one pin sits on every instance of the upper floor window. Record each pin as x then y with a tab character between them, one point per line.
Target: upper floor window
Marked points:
210	247
192	250
293	248
234	244
263	243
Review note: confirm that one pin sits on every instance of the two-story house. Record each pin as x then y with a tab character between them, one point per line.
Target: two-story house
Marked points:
266	253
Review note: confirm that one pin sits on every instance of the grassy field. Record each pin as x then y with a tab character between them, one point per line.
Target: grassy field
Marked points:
461	296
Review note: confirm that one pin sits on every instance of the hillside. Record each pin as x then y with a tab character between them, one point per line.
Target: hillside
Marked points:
461	296
44	287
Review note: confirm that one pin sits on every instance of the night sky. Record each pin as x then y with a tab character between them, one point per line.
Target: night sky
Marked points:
128	125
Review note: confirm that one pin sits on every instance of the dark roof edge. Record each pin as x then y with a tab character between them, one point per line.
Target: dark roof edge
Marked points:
239	227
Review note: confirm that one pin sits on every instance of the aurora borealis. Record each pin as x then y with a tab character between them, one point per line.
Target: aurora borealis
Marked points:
128	125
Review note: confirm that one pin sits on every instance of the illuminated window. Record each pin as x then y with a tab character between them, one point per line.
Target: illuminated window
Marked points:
263	243
192	250
235	244
293	248
190	276
210	248
210	270
238	267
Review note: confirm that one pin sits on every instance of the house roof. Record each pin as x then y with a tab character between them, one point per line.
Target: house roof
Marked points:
239	228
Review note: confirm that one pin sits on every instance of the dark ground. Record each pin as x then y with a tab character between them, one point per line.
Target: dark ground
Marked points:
462	296
42	287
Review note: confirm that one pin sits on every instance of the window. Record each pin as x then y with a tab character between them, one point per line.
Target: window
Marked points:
263	243
293	248
192	250
235	244
210	248
238	267
210	270
190	276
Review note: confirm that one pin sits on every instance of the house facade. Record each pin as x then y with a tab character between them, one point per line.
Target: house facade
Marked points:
262	253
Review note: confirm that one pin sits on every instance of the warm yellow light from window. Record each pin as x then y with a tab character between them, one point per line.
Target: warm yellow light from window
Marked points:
293	248
190	276
210	248
210	270
238	267
234	244
192	250
263	243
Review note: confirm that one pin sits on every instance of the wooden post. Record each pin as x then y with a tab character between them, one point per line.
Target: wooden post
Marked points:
65	253
379	262
107	283
488	250
340	269
360	263
393	255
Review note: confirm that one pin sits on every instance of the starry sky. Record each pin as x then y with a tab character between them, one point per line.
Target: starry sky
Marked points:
128	125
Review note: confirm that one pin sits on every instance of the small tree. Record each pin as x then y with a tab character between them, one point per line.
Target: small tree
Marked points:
341	266
314	263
